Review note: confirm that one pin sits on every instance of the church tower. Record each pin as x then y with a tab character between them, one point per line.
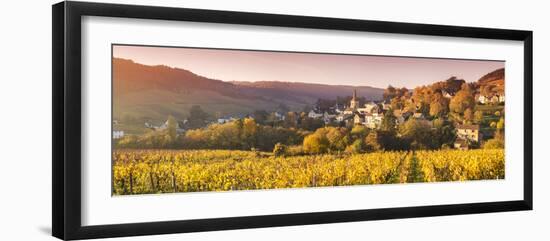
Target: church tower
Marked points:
354	103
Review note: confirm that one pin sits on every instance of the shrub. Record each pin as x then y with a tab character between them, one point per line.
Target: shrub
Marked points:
295	150
358	146
279	149
494	144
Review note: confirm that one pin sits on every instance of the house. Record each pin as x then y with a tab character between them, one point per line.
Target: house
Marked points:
447	94
468	132
338	108
418	115
348	111
223	120
149	125
482	99
461	144
279	115
343	117
370	107
117	134
180	126
315	115
328	117
494	99
373	120
358	119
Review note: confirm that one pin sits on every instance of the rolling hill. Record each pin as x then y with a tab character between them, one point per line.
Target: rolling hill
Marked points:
143	92
494	79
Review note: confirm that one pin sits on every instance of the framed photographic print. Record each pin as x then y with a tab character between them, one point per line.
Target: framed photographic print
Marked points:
169	120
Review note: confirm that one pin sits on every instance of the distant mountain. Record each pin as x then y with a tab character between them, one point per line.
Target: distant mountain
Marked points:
306	93
494	79
154	92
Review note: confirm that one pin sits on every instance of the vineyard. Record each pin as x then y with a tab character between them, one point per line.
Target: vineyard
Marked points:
166	171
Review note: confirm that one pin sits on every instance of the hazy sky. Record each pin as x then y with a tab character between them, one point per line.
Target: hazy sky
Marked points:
377	71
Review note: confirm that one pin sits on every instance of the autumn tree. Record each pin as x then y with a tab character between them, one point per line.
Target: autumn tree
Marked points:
359	132
316	143
397	103
439	105
358	146
463	100
468	115
478	116
337	138
417	133
500	124
249	132
372	142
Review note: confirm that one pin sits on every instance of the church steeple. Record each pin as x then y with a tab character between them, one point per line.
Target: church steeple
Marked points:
354	103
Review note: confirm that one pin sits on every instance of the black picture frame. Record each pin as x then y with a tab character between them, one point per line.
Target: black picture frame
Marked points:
66	127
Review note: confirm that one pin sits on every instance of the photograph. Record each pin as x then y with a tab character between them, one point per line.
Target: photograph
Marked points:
191	119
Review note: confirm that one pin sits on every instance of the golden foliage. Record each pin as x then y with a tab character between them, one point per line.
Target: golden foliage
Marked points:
164	171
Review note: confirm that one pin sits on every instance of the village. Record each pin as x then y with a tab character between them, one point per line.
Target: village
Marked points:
370	114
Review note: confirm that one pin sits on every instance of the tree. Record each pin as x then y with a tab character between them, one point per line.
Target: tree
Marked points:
500	124
249	132
453	84
197	117
279	149
409	106
468	115
463	100
310	124
358	146
444	133
172	126
315	143
389	121
389	93
494	144
439	105
372	142
337	138
359	132
397	104
478	116
260	116
417	133
291	120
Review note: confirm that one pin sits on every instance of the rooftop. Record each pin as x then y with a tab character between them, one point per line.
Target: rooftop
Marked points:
468	127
